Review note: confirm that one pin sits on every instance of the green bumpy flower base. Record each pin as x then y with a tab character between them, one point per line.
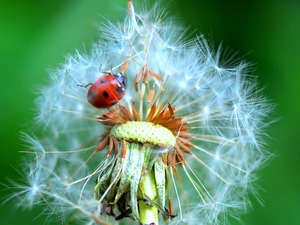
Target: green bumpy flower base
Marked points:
139	178
144	132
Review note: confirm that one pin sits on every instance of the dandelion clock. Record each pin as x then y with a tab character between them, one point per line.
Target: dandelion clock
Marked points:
148	128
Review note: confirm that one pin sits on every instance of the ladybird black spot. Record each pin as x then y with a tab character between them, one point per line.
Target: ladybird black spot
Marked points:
105	94
103	81
91	95
119	90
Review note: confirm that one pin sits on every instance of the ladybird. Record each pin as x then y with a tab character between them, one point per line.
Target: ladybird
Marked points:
107	90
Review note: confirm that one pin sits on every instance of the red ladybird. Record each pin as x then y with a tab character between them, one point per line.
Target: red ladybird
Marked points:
107	90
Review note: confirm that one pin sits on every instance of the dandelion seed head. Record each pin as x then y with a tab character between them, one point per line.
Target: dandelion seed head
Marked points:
195	119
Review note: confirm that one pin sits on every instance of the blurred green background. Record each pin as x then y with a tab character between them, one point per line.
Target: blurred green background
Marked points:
36	35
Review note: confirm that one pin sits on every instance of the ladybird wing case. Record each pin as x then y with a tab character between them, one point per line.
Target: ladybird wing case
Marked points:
105	92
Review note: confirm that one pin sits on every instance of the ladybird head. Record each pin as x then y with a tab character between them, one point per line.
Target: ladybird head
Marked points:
120	77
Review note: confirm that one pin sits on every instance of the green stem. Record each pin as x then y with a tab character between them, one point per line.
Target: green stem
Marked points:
148	213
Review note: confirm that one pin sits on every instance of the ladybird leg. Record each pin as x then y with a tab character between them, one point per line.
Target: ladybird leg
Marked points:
84	86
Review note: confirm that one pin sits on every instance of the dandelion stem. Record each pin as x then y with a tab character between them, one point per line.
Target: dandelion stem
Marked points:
148	213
